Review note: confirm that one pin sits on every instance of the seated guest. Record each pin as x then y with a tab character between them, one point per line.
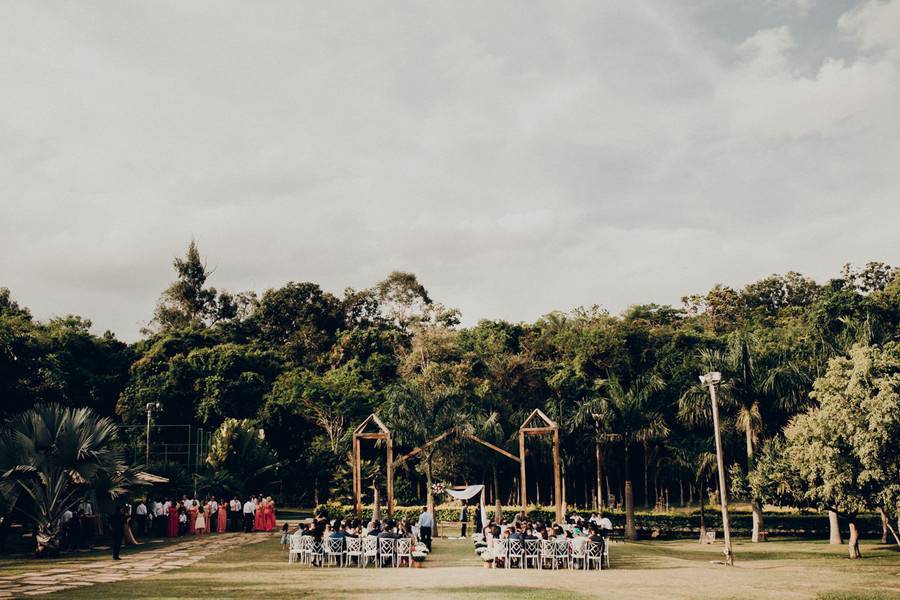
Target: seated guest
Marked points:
605	524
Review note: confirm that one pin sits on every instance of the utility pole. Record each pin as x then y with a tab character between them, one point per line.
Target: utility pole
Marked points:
712	380
151	406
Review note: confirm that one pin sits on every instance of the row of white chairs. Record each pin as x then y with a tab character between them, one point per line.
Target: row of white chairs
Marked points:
571	553
347	551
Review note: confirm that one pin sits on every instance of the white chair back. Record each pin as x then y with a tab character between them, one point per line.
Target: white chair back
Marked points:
386	550
403	549
593	554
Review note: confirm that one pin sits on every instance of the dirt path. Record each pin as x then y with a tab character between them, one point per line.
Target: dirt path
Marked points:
132	566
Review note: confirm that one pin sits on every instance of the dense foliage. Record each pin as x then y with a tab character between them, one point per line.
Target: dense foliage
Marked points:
305	366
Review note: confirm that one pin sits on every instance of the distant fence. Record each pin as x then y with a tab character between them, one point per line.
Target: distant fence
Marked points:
184	445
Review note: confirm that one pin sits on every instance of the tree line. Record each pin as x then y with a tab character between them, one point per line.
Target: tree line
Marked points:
282	378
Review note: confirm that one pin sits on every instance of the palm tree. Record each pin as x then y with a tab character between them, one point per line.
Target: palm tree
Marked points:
632	418
54	456
753	380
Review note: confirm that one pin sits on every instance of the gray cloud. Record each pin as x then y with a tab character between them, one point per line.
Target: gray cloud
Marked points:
519	158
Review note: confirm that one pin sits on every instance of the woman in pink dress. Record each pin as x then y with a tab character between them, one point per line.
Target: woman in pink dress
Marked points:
270	514
192	518
172	529
222	525
258	515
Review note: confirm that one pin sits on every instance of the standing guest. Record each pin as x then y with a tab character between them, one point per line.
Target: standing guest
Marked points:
249	509
258	515
285	536
236	516
192	517
222	524
426	525
160	518
199	523
117	529
213	514
269	515
172	530
140	517
464	517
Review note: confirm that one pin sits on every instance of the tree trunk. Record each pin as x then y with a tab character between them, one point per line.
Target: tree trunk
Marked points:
754	503
646	475
498	506
834	529
599	459
854	539
884	528
680	493
46	541
702	518
429	493
690	494
630	530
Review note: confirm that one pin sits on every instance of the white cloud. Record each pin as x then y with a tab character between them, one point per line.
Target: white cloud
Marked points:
875	24
519	158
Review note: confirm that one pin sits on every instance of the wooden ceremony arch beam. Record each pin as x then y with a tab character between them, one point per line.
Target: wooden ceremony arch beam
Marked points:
383	434
549	426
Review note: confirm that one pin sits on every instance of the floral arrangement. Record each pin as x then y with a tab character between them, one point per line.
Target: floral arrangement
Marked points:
438	488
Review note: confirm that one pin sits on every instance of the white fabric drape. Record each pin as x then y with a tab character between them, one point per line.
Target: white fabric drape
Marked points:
470	492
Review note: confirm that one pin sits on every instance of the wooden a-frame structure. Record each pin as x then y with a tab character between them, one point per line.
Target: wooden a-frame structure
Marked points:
383	433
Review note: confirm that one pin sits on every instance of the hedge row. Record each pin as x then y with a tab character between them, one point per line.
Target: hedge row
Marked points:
660	525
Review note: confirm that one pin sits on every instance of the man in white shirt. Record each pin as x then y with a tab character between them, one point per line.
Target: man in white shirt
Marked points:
606	525
249	511
426	526
86	508
140	515
234	514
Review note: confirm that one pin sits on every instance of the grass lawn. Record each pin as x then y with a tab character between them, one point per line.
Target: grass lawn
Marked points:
658	569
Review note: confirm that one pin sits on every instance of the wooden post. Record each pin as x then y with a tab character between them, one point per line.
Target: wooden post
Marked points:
390	475
524	488
357	484
557	491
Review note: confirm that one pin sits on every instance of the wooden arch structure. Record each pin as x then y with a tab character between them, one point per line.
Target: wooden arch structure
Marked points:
383	433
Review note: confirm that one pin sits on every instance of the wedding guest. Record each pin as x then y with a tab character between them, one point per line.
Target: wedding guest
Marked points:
172	530
193	511
249	510
222	524
426	525
141	518
199	519
117	523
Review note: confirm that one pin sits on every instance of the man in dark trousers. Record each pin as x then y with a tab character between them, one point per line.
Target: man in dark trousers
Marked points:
426	525
117	529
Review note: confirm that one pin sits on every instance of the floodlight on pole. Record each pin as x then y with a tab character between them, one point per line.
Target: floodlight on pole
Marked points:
712	380
151	406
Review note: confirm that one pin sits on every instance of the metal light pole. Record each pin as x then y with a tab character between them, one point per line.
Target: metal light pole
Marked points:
712	381
150	407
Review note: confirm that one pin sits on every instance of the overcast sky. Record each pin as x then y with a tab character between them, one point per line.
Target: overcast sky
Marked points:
519	157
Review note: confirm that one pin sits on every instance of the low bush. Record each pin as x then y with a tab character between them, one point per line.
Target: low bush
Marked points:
664	525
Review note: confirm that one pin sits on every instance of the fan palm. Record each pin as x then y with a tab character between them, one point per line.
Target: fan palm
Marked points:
631	417
53	457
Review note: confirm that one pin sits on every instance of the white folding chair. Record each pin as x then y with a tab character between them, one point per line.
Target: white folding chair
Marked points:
370	550
316	552
501	552
548	553
606	552
593	552
385	551
334	550
354	550
561	555
403	549
577	553
295	549
514	552
531	551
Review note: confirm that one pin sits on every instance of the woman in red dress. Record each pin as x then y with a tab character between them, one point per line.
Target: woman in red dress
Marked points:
222	524
172	529
192	518
270	514
258	518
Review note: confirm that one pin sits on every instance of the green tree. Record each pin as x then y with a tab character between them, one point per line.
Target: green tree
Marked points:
842	455
54	456
633	417
239	448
